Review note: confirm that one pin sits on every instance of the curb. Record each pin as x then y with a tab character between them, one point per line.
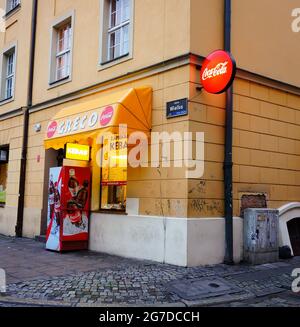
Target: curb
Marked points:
29	302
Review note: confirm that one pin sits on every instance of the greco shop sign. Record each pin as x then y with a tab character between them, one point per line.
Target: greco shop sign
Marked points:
218	72
78	124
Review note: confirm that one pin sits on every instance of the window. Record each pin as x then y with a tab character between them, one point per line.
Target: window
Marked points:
114	174
116	32
9	78
4	152
8	74
12	4
63	51
61	54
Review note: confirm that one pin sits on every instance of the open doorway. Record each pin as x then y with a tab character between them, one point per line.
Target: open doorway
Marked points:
53	158
294	233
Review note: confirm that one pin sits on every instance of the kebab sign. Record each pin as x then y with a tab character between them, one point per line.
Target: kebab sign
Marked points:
218	72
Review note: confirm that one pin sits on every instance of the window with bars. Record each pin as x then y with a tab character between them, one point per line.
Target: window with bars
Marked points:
63	51
12	4
116	33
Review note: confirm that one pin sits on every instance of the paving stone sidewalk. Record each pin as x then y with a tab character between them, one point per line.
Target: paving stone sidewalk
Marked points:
36	277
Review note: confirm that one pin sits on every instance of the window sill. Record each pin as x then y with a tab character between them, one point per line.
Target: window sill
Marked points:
112	212
12	11
59	82
107	64
7	100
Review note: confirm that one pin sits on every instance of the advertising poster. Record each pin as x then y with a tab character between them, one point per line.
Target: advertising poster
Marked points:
54	210
76	198
68	206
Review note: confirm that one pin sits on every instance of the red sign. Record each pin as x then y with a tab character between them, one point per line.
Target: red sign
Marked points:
106	116
218	72
52	127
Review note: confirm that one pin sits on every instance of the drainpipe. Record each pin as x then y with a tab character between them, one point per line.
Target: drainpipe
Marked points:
21	200
228	147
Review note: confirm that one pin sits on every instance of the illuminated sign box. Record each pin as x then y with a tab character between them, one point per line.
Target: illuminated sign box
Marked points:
77	152
218	72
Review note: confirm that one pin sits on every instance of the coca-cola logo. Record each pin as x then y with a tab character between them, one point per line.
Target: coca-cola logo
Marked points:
106	116
52	127
218	71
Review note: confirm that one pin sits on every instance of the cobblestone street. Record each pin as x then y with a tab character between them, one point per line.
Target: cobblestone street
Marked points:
36	277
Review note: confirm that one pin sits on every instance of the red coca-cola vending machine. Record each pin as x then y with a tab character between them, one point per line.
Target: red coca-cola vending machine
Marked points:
68	209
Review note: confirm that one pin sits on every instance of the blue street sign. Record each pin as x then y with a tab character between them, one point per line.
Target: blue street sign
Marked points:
177	108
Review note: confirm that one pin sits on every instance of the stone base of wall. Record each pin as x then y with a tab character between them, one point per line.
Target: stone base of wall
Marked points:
32	222
8	220
177	241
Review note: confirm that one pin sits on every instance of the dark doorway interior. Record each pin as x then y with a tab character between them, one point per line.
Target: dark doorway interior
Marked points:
53	158
294	232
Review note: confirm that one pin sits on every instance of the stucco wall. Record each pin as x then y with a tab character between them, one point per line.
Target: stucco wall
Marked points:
177	241
17	32
266	143
11	134
161	31
160	191
266	147
260	28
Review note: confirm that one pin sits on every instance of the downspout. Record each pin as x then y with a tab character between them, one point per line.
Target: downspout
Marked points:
21	200
228	146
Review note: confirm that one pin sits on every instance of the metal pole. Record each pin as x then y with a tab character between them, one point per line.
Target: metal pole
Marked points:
228	147
21	200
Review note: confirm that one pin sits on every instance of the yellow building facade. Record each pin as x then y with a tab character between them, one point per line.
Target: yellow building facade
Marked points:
89	51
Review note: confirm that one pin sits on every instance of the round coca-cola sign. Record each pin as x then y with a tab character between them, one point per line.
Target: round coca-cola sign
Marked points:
52	127
218	72
106	116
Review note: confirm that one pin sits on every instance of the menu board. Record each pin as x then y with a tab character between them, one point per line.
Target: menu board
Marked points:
114	169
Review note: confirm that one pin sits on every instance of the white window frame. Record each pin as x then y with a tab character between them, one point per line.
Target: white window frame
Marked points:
9	5
10	74
54	55
66	52
4	73
106	30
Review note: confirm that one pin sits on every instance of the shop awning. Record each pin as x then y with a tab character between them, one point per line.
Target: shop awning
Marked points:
85	121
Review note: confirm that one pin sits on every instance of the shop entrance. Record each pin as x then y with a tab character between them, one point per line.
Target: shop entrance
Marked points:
294	232
53	158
